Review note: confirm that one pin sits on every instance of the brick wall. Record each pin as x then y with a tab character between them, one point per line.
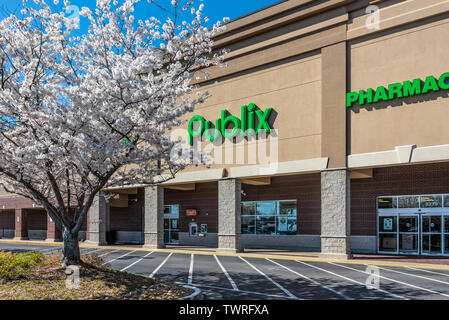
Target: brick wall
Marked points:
306	189
7	219
404	180
37	220
204	199
128	219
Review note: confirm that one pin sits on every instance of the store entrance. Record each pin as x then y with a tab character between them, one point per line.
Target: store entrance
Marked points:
432	235
171	224
424	234
423	230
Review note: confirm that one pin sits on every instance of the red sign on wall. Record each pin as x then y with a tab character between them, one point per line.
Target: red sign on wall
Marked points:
191	212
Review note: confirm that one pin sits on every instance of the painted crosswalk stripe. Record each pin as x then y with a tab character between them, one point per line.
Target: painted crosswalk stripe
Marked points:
397	281
234	286
120	257
351	280
291	295
134	263
160	266
311	280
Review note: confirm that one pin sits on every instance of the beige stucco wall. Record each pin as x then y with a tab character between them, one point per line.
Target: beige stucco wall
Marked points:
292	88
405	53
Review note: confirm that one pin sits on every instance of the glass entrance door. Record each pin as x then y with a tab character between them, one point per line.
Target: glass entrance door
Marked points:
416	224
409	234
171	224
171	231
432	236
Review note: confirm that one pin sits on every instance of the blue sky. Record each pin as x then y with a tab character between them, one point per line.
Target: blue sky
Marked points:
214	9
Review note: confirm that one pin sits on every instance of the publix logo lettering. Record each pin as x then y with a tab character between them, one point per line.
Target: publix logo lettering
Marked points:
229	126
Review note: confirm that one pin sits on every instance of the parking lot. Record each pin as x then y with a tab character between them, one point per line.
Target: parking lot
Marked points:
247	278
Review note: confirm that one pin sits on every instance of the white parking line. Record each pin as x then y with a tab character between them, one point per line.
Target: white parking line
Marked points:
120	257
106	253
134	263
393	280
291	295
434	272
190	279
351	280
242	291
90	252
234	286
87	250
160	266
311	280
414	275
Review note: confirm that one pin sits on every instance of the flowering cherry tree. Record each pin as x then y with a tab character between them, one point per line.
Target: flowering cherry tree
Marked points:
82	113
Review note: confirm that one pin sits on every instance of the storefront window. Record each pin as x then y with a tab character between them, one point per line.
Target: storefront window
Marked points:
248	225
248	208
287	225
387	203
172	209
269	217
287	208
431	201
408	202
266	208
266	225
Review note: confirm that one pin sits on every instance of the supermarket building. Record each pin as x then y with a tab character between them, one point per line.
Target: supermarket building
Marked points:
359	109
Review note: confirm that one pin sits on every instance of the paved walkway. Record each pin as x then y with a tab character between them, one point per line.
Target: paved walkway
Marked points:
250	276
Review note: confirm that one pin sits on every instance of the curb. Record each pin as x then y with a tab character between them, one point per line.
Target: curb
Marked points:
196	295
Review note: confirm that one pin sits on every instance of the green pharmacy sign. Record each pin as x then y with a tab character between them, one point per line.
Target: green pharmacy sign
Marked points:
399	90
245	126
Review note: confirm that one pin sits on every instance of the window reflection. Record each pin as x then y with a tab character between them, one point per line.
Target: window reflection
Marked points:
431	201
387	203
408	202
269	217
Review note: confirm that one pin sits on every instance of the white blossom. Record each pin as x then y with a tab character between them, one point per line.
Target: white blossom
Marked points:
79	114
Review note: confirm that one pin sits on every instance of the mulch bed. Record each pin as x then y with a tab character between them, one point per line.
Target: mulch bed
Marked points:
47	281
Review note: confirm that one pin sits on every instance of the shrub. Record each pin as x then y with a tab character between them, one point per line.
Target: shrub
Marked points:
16	265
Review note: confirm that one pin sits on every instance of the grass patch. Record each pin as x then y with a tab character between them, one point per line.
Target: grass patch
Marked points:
32	276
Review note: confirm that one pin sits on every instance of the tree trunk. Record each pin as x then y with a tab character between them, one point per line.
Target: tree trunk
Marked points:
71	250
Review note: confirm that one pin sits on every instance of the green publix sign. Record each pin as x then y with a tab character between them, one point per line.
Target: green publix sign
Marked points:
399	90
246	126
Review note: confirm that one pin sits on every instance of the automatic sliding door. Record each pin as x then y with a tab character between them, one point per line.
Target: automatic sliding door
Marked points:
409	234
446	234
432	234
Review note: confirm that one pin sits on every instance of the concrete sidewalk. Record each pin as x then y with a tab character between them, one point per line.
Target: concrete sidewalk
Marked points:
371	259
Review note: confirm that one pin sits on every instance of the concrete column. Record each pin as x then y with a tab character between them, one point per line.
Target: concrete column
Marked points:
21	225
98	220
335	214
229	209
154	218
